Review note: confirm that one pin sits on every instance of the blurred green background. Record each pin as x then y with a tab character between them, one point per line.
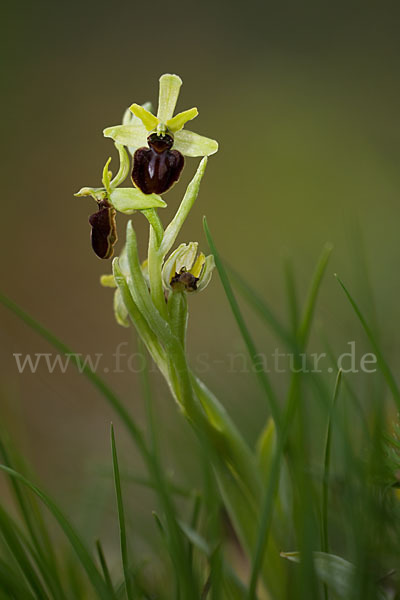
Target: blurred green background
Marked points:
303	98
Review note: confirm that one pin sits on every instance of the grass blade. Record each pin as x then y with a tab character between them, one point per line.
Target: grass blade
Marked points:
325	478
83	368
327	458
273	480
12	584
104	568
386	371
260	306
305	323
74	539
247	338
32	517
121	519
194	522
291	294
15	542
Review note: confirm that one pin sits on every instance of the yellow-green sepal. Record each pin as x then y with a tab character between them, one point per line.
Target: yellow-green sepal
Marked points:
168	96
97	194
193	144
133	135
127	200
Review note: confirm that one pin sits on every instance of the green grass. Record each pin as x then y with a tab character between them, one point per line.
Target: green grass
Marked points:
311	512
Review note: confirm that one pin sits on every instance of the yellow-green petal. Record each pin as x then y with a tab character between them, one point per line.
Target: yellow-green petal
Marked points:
107	176
124	166
173	264
178	122
148	119
198	265
127	200
168	96
187	257
192	144
205	278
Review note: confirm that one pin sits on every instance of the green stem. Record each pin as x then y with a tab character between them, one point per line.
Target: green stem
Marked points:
178	315
155	261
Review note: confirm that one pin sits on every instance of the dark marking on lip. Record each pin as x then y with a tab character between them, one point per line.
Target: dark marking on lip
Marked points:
157	168
184	280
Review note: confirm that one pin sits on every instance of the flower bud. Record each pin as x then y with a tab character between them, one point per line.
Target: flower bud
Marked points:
185	271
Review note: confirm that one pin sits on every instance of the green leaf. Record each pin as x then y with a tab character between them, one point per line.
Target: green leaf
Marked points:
120	311
192	191
127	200
154	220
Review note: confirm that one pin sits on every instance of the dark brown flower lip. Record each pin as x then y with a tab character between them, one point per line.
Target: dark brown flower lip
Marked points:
184	281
